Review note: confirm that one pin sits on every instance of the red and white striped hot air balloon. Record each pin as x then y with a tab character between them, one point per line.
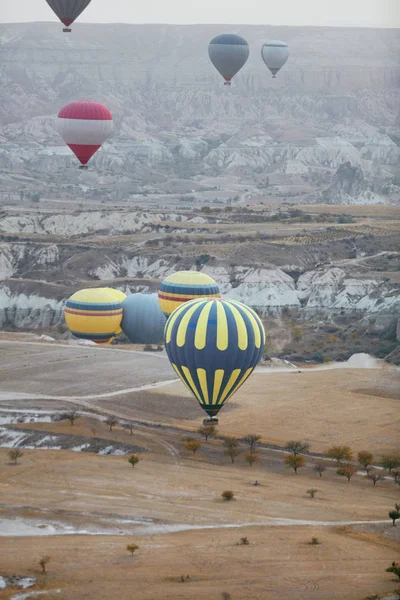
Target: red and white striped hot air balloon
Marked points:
84	126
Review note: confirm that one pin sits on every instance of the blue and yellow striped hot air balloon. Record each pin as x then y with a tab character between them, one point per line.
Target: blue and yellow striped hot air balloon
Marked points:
184	286
93	314
214	345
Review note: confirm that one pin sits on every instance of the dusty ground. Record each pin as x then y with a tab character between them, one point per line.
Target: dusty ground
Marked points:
321	407
64	370
170	490
277	564
358	407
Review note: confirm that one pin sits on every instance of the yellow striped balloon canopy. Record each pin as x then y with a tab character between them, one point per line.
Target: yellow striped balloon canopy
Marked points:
93	314
214	345
118	295
184	286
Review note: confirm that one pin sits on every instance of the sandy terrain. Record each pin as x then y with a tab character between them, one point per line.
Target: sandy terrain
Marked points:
277	564
57	370
169	489
170	504
354	406
321	407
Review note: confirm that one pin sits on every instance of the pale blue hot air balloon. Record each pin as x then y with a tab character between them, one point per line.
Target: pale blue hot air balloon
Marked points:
275	54
228	53
143	321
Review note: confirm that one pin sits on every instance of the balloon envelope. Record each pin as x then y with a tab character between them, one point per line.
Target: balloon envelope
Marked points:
143	321
228	53
84	126
93	314
68	10
120	297
275	54
214	345
183	286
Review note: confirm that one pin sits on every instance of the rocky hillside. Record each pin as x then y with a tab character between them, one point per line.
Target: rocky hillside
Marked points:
336	101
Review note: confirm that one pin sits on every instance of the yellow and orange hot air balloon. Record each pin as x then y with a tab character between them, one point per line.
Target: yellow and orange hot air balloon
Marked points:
183	286
93	314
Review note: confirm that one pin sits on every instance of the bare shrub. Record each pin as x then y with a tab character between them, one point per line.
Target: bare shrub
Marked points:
319	468
14	454
228	495
43	562
132	548
111	422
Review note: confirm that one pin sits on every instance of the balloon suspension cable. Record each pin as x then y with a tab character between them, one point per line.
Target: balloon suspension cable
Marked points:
83	167
67	30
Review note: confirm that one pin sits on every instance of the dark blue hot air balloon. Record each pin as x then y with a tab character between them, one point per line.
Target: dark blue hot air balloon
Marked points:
143	321
214	345
228	53
68	10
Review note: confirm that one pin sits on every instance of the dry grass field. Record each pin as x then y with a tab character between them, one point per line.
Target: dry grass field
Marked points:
170	504
279	519
358	407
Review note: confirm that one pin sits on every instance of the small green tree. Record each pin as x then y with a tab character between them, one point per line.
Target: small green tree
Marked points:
208	431
14	454
294	461
394	515
340	453
312	492
44	561
132	548
192	445
297	447
133	460
365	459
319	468
251	459
395	568
244	541
228	495
252	439
347	470
390	461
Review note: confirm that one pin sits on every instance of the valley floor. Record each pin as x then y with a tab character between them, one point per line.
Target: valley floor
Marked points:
82	508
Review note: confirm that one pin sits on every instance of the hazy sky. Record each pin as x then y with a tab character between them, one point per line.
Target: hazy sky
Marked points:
362	13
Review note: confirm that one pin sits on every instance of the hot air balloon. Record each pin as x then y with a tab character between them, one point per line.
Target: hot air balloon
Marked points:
214	345
275	53
228	53
93	314
84	126
184	286
143	321
68	10
120	297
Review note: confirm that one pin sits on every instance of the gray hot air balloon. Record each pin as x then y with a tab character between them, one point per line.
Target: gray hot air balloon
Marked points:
143	321
228	53
275	53
68	10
